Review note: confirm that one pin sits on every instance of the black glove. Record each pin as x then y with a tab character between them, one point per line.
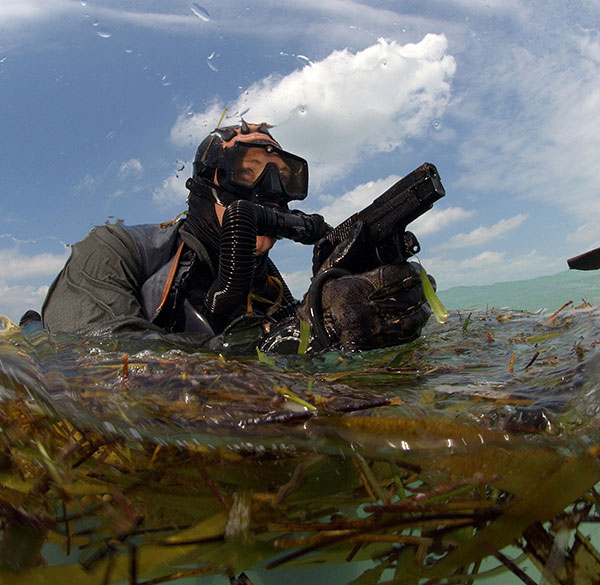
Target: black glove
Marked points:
379	308
357	308
349	254
382	307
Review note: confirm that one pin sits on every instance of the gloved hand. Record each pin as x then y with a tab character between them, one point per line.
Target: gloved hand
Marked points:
382	307
360	308
349	254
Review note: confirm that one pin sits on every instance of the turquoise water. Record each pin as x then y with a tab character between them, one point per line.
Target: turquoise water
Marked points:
543	293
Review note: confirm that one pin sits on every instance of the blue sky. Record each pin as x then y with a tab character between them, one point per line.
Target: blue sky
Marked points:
104	103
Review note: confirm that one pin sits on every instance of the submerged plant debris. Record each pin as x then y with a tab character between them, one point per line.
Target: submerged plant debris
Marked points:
146	463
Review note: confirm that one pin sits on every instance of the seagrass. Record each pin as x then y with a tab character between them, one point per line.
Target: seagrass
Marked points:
121	463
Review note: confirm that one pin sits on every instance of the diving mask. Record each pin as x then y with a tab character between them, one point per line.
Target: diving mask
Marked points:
264	173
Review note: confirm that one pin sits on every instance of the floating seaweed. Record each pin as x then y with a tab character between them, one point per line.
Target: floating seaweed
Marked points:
146	464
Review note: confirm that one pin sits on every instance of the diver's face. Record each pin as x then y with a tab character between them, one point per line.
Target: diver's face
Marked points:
251	163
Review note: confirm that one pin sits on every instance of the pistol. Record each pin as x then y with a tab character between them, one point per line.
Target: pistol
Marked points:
385	220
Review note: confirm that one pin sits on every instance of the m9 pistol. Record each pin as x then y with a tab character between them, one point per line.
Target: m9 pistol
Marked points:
385	220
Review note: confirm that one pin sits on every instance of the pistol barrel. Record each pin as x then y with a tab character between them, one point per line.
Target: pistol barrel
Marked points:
402	203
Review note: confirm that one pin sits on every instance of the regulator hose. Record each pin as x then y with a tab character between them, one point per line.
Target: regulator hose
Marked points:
242	222
236	264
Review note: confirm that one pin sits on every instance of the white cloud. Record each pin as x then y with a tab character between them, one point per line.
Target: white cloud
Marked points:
335	22
16	299
512	7
88	183
130	167
587	233
25	274
340	111
353	201
14	12
298	281
182	22
538	114
590	46
345	8
331	23
14	265
484	234
171	192
18	267
437	219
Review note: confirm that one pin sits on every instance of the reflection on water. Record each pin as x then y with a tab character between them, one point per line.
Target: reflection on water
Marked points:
412	456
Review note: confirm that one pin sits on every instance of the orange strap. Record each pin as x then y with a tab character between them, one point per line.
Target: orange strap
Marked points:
170	278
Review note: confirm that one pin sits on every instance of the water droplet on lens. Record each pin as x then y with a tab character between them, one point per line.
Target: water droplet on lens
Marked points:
104	33
129	51
437	125
200	12
384	63
210	63
302	109
95	23
83	3
304	60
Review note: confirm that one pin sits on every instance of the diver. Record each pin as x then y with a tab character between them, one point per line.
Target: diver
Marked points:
207	279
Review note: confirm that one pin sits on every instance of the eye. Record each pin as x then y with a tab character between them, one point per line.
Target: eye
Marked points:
244	175
285	175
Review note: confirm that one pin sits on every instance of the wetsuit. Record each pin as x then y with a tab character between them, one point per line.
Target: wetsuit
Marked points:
127	279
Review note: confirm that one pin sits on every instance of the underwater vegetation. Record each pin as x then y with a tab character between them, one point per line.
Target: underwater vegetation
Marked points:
146	463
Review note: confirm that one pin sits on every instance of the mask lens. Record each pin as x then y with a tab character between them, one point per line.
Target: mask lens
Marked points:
247	163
